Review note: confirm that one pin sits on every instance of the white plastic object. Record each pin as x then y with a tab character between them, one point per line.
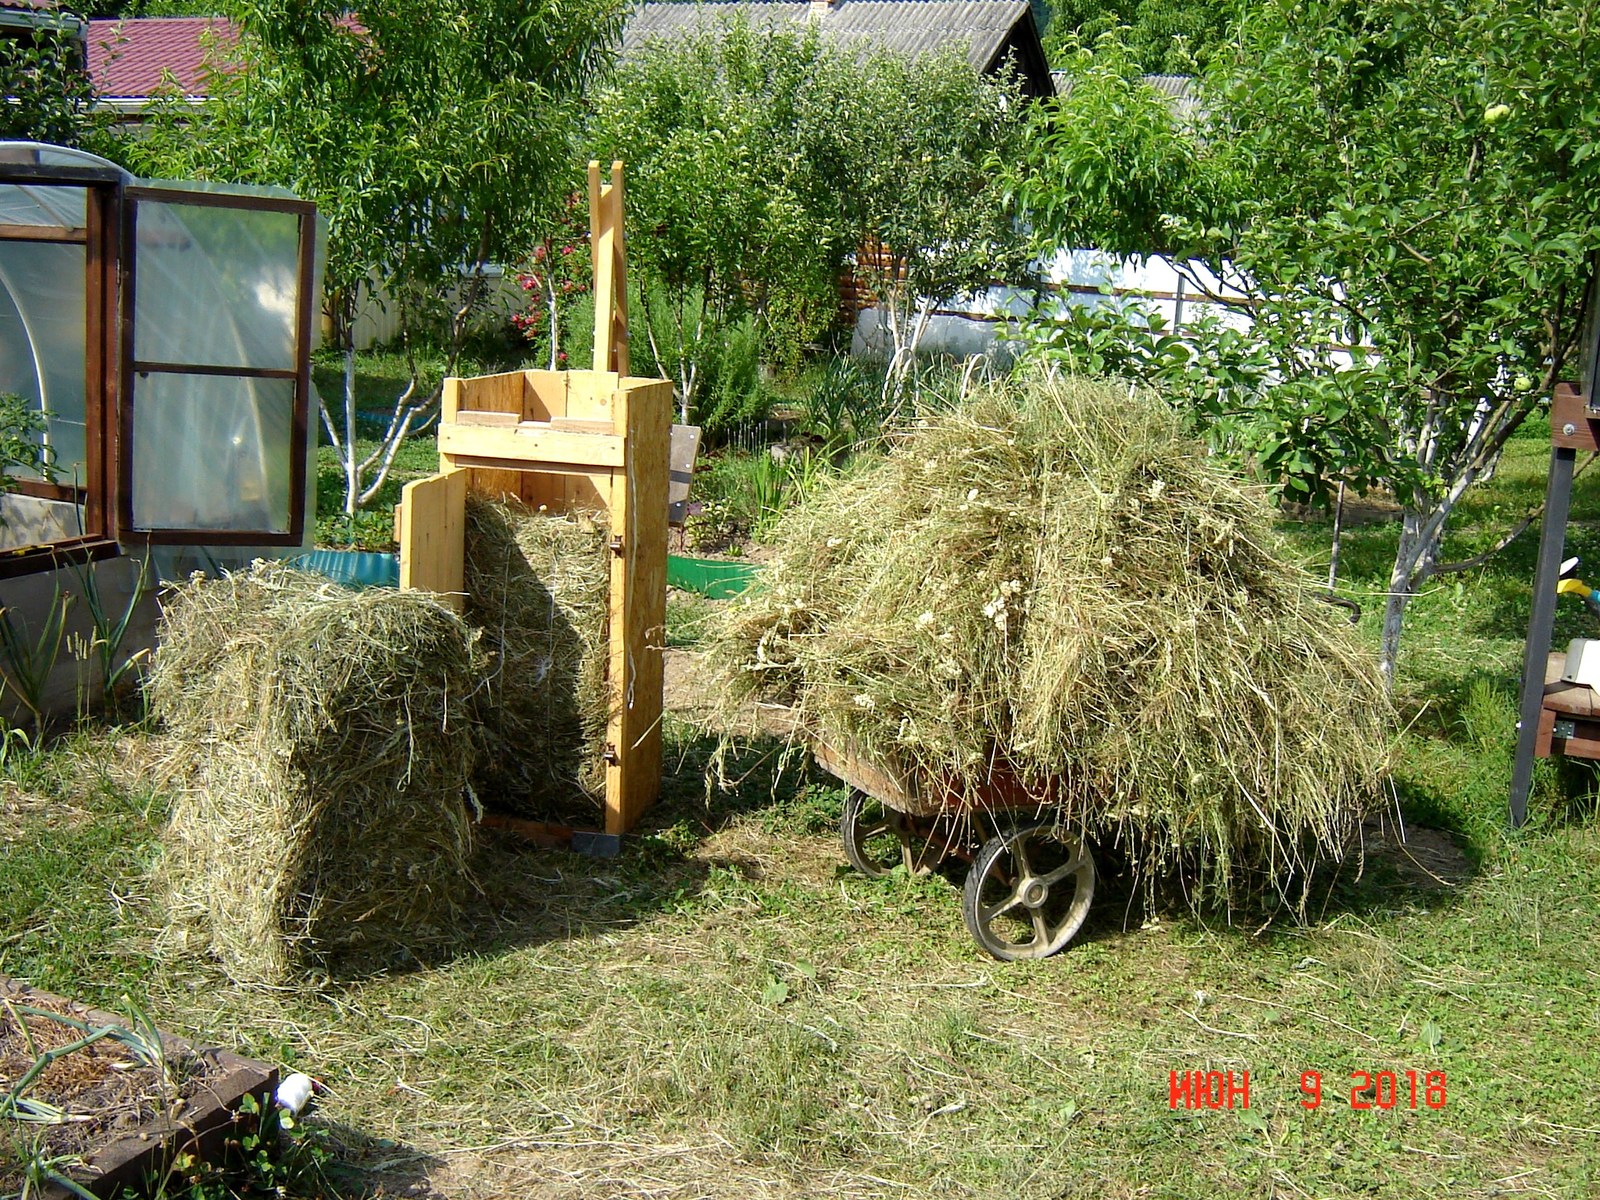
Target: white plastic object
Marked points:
294	1092
1583	662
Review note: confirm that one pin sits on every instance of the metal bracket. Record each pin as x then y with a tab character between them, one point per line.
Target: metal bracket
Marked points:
596	845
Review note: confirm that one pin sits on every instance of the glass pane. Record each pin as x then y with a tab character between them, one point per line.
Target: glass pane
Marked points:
215	286
42	315
212	452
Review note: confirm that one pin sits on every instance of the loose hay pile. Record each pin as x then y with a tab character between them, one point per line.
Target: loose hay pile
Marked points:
1053	581
323	740
539	588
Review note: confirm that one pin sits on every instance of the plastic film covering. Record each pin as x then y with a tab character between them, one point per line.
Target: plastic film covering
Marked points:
42	325
212	452
214	287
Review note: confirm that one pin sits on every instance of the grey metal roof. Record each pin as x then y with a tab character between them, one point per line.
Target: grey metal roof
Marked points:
1180	91
909	27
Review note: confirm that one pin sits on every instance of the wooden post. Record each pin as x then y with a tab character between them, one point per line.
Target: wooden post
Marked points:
643	416
608	249
1572	428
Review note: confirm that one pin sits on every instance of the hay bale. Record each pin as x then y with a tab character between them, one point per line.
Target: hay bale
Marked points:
1054	581
538	587
323	744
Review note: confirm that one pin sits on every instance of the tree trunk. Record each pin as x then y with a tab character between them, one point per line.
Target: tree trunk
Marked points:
1414	559
1338	535
352	465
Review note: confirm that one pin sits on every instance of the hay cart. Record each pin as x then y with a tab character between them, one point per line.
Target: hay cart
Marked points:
1028	883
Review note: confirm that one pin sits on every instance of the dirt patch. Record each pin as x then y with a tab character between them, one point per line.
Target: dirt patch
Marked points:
1421	858
93	1094
689	694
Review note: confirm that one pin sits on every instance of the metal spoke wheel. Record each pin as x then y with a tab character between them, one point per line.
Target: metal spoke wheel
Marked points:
877	838
1028	892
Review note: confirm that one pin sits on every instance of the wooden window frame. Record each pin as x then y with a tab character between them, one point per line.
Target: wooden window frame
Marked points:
108	235
300	375
99	236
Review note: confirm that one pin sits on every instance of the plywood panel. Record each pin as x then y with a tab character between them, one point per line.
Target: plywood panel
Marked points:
432	516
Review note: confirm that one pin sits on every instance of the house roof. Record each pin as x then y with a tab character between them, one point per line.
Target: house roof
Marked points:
1181	92
988	30
128	59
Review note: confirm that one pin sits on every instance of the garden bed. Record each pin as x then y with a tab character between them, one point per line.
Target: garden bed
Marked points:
126	1114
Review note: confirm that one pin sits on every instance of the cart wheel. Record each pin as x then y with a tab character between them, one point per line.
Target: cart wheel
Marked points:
1027	892
877	838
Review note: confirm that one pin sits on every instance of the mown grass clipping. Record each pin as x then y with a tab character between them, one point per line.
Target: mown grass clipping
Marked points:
1050	581
322	743
538	586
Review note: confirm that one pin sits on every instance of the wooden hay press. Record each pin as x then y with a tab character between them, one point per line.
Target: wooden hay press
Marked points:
570	441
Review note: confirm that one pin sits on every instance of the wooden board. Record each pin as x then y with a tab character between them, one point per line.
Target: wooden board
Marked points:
638	605
1572	426
608	248
432	519
685	448
531	440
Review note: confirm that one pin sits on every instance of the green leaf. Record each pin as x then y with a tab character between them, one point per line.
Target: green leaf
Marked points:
1430	1035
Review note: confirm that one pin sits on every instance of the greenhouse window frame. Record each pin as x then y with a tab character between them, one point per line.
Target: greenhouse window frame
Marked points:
300	375
109	237
99	238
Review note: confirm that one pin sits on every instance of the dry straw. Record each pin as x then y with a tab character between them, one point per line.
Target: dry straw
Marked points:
1052	581
539	588
323	742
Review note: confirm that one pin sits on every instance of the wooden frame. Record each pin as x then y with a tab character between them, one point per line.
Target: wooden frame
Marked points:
566	441
108	236
100	239
299	375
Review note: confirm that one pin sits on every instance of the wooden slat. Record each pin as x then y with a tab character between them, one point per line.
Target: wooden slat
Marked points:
432	518
607	247
683	450
532	442
481	465
43	233
496	420
638	604
581	424
618	312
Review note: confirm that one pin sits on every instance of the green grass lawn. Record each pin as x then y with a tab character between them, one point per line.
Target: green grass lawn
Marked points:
727	1011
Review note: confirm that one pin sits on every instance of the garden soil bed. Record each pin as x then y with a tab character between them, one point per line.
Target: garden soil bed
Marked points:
127	1120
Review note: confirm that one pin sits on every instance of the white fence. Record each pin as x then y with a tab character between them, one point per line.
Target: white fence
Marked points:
1178	292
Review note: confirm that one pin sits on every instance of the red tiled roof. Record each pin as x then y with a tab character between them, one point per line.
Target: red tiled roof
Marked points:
127	59
34	5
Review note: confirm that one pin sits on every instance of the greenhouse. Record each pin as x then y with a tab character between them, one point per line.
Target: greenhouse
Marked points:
163	332
155	342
